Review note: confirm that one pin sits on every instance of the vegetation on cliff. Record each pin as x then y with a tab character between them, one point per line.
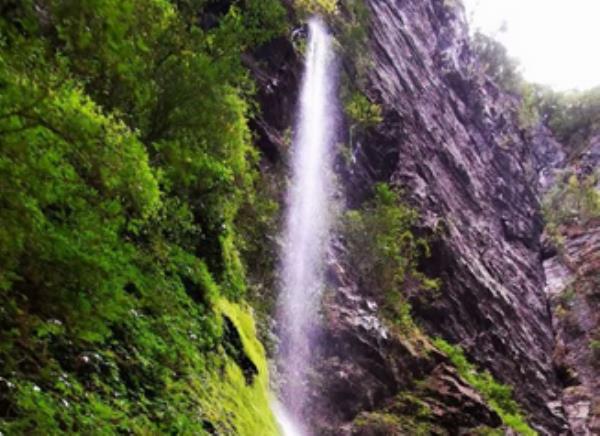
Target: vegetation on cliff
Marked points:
573	201
497	395
132	214
126	171
384	251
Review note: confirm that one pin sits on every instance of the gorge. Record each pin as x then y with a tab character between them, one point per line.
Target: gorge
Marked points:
231	217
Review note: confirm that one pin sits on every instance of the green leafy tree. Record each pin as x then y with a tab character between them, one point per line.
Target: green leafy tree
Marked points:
125	157
497	63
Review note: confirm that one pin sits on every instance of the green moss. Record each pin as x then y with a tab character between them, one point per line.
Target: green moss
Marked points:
498	396
408	403
155	385
412	419
230	404
487	431
378	423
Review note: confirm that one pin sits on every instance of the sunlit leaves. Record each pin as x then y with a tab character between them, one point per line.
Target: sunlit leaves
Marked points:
125	156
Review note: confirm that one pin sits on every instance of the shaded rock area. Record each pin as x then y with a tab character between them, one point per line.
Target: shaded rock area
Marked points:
277	69
232	343
442	404
549	156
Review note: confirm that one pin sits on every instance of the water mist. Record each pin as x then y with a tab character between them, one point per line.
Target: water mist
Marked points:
307	227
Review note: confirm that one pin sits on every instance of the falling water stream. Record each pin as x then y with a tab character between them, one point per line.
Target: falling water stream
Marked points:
307	228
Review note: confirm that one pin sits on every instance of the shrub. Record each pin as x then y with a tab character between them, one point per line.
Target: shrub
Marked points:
505	71
572	116
384	251
310	7
498	396
572	201
496	62
361	112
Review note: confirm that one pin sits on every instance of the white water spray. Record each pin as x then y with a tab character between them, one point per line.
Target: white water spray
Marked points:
307	227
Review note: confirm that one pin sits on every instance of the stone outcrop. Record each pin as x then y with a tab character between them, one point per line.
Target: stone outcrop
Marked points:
367	371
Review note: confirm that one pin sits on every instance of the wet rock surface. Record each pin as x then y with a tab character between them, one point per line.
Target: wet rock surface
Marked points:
277	69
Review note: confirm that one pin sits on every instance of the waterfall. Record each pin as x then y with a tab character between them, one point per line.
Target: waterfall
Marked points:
307	227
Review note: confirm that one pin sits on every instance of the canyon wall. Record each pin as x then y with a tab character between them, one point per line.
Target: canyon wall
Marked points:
455	142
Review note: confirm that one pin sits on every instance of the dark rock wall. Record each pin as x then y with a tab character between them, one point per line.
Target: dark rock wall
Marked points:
457	147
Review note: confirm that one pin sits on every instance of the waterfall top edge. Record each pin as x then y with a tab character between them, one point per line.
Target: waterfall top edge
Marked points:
316	21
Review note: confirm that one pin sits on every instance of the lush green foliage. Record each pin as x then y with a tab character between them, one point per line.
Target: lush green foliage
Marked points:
361	112
384	251
125	158
497	395
572	116
309	7
571	202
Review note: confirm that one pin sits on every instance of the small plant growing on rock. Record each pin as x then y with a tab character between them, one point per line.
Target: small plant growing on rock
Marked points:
567	298
361	111
498	396
384	251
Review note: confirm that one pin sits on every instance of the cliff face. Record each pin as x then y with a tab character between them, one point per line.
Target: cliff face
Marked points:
455	142
573	289
451	138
